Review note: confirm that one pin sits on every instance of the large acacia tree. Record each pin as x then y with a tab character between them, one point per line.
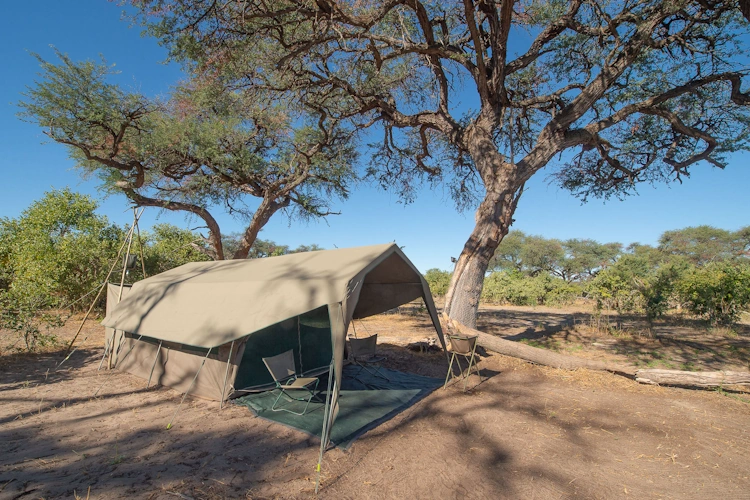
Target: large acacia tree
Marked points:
204	147
608	93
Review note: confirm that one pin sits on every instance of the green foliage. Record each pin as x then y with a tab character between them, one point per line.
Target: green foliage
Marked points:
704	244
201	148
53	254
572	260
718	291
57	249
168	246
514	288
615	287
438	280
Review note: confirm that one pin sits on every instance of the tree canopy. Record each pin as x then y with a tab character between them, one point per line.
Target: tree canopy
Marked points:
621	92
201	148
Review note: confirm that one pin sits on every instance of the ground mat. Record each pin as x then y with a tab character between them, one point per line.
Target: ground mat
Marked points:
365	401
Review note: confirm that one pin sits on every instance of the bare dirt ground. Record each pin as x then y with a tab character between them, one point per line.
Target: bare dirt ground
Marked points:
525	432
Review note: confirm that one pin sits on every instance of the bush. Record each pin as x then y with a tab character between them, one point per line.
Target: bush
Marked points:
719	291
438	280
514	288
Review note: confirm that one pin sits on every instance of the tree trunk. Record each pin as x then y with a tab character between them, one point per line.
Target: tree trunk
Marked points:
262	215
493	219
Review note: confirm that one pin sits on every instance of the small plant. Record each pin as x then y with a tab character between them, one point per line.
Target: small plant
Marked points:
117	458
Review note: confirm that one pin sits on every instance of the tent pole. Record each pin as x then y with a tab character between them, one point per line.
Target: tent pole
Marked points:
169	425
324	432
156	358
116	352
123	359
93	303
140	244
226	375
125	270
104	355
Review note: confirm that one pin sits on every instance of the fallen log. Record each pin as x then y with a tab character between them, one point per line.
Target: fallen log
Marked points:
553	359
534	354
692	379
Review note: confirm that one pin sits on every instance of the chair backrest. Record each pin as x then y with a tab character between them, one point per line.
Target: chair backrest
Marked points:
281	366
365	347
462	344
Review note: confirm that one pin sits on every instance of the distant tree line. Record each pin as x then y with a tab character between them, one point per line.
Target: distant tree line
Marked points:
56	254
704	270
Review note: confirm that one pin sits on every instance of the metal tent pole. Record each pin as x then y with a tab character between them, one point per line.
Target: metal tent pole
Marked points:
169	425
324	431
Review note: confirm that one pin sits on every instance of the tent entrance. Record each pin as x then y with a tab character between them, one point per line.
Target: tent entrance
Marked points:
365	402
308	335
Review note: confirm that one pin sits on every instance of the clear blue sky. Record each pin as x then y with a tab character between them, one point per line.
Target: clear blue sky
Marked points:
430	229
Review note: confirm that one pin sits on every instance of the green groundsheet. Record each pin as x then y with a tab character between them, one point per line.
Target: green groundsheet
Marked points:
365	402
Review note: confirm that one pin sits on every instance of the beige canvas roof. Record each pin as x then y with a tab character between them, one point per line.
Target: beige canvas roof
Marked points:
207	304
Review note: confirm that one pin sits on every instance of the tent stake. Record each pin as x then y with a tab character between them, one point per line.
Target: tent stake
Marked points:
324	431
111	372
156	358
226	375
169	425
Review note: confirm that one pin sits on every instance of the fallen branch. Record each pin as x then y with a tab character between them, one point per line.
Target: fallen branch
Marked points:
692	379
534	354
545	357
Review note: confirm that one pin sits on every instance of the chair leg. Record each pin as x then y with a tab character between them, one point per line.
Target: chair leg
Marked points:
374	371
307	404
450	371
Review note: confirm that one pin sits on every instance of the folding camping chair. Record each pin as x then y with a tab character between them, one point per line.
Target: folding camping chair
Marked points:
364	354
462	346
281	368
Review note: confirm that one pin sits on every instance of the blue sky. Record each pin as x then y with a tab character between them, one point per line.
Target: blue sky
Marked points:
430	229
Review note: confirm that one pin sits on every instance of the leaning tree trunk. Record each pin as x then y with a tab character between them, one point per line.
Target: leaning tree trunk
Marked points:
493	219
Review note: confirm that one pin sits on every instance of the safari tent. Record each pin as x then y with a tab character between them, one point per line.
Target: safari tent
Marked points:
227	315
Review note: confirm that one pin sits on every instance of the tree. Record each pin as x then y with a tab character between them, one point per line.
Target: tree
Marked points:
635	91
571	260
57	251
585	258
204	147
704	244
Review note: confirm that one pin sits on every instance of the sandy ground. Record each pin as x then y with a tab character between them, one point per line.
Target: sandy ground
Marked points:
525	432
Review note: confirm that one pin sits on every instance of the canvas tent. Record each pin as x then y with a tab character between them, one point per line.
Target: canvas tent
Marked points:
227	315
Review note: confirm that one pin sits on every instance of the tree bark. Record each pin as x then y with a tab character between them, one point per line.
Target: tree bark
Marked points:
262	215
692	379
493	219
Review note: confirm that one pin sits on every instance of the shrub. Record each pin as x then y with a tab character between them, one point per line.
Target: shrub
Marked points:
438	281
719	291
512	287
